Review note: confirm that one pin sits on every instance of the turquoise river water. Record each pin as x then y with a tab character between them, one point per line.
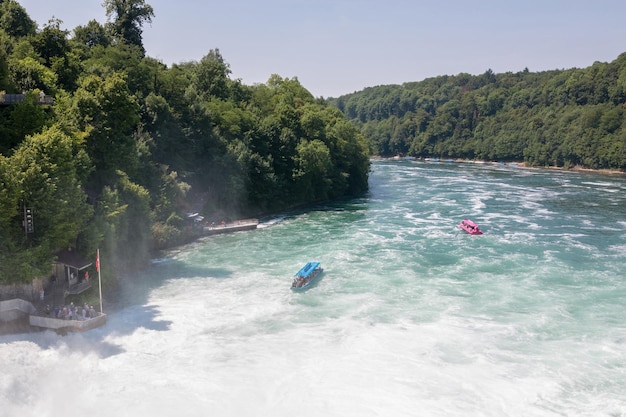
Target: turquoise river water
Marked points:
412	317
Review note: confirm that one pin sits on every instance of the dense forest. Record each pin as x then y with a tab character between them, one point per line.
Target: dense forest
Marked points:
102	146
562	118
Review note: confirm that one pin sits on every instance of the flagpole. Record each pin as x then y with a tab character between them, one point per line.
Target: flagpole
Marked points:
99	278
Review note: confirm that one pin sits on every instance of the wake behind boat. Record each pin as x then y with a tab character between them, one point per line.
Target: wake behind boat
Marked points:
470	227
306	276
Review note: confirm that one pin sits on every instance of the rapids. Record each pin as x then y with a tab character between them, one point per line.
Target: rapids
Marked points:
412	317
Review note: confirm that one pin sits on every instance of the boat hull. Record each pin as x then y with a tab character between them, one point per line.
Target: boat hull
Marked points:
308	285
307	277
470	227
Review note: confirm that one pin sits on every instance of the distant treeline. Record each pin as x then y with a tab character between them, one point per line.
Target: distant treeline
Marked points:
558	118
130	145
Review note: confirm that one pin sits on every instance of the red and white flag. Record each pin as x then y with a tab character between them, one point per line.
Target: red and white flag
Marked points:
98	260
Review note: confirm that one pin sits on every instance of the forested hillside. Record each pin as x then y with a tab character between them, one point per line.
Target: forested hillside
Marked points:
558	118
106	147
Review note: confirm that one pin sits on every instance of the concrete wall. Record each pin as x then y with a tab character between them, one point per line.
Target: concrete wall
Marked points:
73	325
15	309
25	291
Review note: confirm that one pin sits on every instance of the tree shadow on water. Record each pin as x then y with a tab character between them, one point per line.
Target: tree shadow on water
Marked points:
101	340
128	311
136	289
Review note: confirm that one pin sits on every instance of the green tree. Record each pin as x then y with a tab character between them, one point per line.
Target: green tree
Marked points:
313	171
9	205
25	118
128	18
27	74
45	171
49	164
15	21
211	76
4	67
91	35
51	41
351	158
105	110
124	220
53	46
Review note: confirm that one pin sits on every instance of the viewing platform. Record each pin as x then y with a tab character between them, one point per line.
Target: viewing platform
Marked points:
53	323
11	99
236	226
17	309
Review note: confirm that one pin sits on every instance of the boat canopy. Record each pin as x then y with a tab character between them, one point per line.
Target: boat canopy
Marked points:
307	269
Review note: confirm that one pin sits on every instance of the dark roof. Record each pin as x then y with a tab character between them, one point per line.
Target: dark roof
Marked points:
73	259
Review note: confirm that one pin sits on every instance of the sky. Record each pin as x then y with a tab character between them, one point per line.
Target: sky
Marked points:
336	47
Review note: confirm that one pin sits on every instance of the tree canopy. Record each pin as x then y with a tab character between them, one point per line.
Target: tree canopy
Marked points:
127	18
130	145
563	118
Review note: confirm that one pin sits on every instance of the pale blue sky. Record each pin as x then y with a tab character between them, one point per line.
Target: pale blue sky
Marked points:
336	47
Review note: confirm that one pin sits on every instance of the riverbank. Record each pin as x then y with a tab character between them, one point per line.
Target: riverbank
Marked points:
516	164
38	316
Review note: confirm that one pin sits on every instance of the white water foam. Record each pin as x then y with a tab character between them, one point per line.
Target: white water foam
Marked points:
411	316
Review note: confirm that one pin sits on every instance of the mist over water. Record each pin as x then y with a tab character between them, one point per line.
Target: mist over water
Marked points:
412	317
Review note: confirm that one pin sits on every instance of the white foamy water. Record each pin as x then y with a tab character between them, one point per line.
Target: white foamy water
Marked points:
411	317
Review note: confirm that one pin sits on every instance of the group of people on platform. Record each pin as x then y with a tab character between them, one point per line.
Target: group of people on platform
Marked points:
72	312
222	224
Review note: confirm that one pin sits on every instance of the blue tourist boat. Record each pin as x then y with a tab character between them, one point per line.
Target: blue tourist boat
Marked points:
306	276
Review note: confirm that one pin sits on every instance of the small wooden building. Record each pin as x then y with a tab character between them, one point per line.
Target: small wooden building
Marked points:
71	268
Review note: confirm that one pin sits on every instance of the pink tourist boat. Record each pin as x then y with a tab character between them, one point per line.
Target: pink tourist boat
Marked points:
470	227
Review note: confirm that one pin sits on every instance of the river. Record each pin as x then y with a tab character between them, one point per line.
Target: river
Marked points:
412	317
